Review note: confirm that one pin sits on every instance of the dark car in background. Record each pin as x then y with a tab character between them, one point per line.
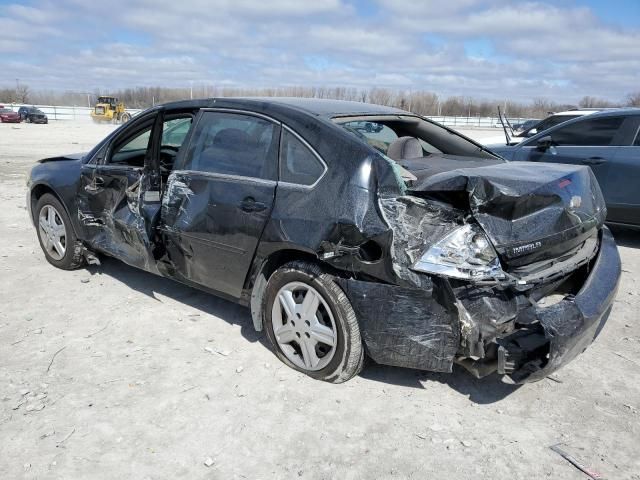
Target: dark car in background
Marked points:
8	116
349	229
526	125
608	142
32	115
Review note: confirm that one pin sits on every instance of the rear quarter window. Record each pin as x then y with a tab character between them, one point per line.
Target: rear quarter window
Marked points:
298	164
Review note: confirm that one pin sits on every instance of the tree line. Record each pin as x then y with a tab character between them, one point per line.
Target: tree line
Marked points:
421	102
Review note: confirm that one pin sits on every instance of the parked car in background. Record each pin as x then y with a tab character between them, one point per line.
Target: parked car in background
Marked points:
8	116
608	142
539	126
526	125
348	229
32	115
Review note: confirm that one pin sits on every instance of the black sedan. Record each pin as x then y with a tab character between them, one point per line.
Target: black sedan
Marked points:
608	142
349	229
32	115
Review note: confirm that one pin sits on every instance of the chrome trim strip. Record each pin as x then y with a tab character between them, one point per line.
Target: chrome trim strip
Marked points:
226	176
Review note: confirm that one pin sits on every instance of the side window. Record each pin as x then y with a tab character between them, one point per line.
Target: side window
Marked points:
233	144
298	164
597	132
132	150
175	131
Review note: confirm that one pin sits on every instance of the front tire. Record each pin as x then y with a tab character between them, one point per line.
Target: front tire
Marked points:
55	233
311	324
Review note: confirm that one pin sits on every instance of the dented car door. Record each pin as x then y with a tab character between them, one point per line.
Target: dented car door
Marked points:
218	199
111	206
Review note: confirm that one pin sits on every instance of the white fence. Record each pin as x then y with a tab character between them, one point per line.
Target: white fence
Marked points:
55	112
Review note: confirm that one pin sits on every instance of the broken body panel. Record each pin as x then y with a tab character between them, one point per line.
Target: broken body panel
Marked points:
369	227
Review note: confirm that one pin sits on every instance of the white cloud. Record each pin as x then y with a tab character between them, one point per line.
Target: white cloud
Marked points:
533	48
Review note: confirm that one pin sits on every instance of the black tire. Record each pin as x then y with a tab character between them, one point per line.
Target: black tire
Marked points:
73	256
125	118
348	357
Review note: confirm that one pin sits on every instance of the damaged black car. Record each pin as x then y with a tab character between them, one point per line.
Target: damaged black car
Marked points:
350	230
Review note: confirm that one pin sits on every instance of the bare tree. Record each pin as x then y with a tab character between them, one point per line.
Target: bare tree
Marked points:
594	102
633	99
22	93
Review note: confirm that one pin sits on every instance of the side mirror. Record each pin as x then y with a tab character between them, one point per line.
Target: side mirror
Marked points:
544	143
532	132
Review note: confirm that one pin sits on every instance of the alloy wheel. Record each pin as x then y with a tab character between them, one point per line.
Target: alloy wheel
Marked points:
303	326
52	232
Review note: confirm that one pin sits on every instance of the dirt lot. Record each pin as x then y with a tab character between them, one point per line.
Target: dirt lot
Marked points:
110	372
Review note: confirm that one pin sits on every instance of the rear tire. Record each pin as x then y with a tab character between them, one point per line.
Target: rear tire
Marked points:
57	239
311	324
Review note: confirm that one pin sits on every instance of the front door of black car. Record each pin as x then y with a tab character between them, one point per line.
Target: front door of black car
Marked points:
119	193
218	200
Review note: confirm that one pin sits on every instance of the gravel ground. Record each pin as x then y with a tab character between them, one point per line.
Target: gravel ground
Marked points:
110	372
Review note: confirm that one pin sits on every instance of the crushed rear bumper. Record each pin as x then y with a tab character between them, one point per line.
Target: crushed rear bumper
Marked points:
553	336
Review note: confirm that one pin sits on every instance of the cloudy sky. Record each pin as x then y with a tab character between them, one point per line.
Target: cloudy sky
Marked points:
561	49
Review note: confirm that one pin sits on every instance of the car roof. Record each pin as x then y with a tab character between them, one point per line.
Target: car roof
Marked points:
314	106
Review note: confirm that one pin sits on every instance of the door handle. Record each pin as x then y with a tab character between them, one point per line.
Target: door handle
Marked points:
593	161
249	204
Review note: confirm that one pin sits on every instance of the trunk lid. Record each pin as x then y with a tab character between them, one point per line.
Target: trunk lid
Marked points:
530	212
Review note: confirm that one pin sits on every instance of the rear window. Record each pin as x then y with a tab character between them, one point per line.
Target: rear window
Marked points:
380	135
5	110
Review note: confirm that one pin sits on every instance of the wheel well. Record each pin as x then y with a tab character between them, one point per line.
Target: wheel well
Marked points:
37	192
257	283
279	258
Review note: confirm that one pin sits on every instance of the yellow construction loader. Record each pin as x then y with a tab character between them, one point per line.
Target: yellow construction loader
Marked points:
109	110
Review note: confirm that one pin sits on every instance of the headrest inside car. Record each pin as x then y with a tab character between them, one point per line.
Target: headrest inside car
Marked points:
404	148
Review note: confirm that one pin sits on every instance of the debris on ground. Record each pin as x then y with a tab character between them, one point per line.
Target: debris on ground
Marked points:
54	357
573	461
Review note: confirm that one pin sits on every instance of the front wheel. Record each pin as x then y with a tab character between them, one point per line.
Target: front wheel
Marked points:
311	324
55	233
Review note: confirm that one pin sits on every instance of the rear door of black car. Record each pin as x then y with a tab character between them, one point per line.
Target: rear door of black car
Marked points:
218	199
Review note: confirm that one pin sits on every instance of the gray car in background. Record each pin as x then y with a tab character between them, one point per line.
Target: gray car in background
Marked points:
608	142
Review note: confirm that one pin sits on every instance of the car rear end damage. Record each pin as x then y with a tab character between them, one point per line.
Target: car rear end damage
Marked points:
558	273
